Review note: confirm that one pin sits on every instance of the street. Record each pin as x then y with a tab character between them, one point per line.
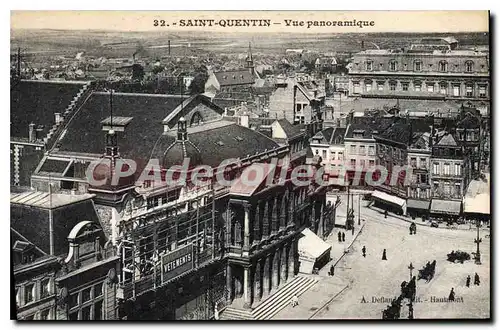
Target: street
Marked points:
371	280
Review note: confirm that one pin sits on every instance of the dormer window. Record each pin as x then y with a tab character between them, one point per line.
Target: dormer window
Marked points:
469	66
417	66
369	65
393	65
443	66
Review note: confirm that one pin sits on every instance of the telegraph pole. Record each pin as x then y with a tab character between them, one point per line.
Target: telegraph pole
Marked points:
477	241
359	210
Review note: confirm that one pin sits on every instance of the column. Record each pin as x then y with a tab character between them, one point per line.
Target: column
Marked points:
265	283
229	284
321	227
290	206
257	293
229	226
284	265
256	224
276	269
274	217
265	221
283	211
247	287
246	238
295	259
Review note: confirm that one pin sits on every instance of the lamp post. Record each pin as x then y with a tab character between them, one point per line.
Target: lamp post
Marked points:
477	241
410	305
359	210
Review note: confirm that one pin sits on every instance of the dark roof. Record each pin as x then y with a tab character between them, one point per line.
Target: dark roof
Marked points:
219	141
325	135
85	134
54	166
37	102
236	77
469	121
338	135
291	131
178	151
404	131
33	223
416	105
368	126
331	135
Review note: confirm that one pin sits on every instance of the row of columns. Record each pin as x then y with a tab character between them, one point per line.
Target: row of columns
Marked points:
262	277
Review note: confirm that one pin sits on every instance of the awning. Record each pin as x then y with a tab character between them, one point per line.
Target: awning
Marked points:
418	204
446	207
478	204
311	246
388	198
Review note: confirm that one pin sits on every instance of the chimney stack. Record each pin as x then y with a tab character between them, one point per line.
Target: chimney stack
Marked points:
244	120
58	118
32	136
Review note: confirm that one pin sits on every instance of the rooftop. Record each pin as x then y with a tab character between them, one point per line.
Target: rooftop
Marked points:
45	200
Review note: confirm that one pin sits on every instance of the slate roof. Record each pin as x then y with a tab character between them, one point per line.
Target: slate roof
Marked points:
406	132
219	141
32	222
369	125
37	102
291	131
85	134
234	78
447	140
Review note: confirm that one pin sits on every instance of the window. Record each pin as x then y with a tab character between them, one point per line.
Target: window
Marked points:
353	162
362	150
393	65
418	86
435	185
362	162
458	169
371	162
413	162
443	66
435	168
380	85
341	155
45	315
469	91
45	289
371	150
446	169
447	189
469	66
430	88
392	85
356	87
353	149
417	66
87	304
324	154
456	90
482	91
368	86
405	86
369	65
458	190
29	293
442	89
423	163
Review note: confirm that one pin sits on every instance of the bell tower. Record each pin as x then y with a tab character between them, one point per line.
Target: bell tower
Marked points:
250	66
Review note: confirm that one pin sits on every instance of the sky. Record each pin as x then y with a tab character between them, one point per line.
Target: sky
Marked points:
383	21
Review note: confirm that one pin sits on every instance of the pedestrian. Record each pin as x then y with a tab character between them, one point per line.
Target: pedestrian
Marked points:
476	279
467	282
352	230
411	229
414	229
343	237
451	297
364	251
385	214
340	237
332	270
384	255
295	301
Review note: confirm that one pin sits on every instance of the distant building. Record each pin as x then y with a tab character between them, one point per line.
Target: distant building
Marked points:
329	145
433	69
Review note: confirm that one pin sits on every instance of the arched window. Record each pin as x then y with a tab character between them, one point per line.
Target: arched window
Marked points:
443	66
196	119
469	66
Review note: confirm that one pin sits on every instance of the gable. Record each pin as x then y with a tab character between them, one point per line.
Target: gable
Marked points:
196	108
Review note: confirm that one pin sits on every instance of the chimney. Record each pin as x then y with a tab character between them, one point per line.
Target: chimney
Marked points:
32	136
58	118
244	120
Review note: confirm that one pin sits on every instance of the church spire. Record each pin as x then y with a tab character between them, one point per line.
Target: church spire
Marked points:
250	66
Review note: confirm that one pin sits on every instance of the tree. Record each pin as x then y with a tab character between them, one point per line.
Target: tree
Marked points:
197	86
